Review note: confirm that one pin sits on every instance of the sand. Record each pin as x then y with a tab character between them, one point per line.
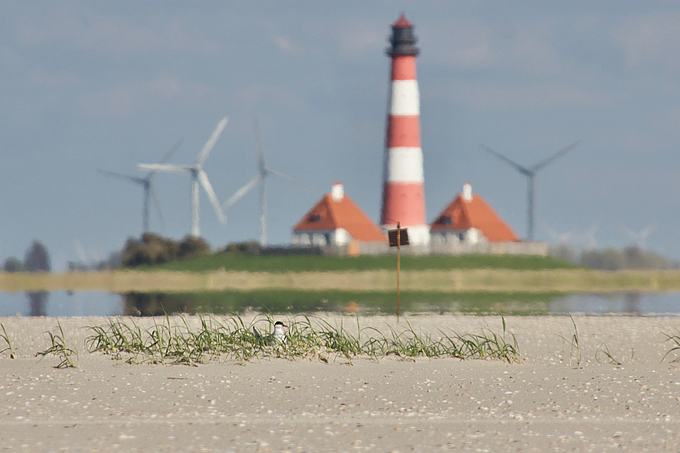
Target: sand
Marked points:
547	402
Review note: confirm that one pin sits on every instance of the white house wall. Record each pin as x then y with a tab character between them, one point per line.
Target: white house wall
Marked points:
322	238
469	236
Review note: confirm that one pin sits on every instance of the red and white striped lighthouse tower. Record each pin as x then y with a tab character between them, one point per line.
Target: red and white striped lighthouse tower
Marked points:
403	190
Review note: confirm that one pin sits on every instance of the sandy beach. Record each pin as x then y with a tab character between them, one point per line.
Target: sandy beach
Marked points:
546	402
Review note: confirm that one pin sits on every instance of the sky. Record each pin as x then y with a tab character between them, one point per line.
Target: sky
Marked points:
107	85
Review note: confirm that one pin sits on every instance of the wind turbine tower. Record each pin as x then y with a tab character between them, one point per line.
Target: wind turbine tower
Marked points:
530	173
261	177
198	176
145	182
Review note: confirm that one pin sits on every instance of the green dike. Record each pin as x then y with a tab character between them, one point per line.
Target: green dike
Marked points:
315	263
349	302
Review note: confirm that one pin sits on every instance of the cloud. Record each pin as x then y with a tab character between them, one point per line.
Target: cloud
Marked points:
650	39
357	38
7	54
91	31
285	44
539	96
254	95
117	101
125	100
519	47
42	78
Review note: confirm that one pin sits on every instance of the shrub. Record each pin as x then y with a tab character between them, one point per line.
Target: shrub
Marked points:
193	247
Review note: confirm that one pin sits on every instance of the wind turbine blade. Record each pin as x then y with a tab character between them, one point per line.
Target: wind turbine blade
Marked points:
203	155
648	230
80	251
559	153
171	152
258	141
164	159
158	207
134	179
505	159
290	179
203	178
241	192
166	167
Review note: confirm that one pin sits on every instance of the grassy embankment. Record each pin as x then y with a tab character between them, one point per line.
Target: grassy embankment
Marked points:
434	274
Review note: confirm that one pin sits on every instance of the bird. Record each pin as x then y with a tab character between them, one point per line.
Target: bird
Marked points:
279	335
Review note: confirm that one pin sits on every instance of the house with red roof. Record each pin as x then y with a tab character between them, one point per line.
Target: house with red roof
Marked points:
336	220
470	220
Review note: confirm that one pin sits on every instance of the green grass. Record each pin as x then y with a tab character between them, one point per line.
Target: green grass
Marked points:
574	345
5	337
59	349
604	351
675	339
306	263
294	301
176	341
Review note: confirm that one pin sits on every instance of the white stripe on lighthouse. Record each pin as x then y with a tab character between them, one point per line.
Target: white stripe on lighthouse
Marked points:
405	98
405	165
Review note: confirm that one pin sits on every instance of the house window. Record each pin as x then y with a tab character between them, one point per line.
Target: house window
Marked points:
314	218
445	220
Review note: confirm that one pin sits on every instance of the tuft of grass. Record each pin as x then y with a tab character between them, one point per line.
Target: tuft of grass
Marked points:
604	350
5	337
675	339
233	339
59	349
574	345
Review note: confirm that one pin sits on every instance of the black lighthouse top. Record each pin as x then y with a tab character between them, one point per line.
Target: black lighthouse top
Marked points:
402	39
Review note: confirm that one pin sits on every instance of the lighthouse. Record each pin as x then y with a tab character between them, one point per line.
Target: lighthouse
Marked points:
403	199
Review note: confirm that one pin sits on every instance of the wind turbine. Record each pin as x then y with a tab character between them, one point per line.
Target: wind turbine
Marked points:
561	238
530	173
197	176
588	237
640	237
261	176
145	182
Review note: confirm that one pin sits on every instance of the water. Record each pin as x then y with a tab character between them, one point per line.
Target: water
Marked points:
61	303
98	303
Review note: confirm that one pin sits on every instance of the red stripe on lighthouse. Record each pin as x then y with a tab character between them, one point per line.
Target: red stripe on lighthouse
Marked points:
403	131
403	203
404	68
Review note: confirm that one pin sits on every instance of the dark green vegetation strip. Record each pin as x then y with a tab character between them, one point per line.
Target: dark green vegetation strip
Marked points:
307	263
375	302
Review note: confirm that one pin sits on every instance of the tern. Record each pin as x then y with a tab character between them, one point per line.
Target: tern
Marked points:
279	335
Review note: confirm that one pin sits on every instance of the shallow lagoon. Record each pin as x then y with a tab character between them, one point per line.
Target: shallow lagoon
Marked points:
99	303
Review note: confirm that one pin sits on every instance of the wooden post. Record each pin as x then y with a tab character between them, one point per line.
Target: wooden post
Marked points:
398	264
398	237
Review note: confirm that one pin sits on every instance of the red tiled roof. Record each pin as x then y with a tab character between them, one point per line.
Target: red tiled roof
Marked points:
402	22
329	214
462	214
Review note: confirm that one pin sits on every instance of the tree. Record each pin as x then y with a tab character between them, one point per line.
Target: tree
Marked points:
37	259
153	249
192	247
13	264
